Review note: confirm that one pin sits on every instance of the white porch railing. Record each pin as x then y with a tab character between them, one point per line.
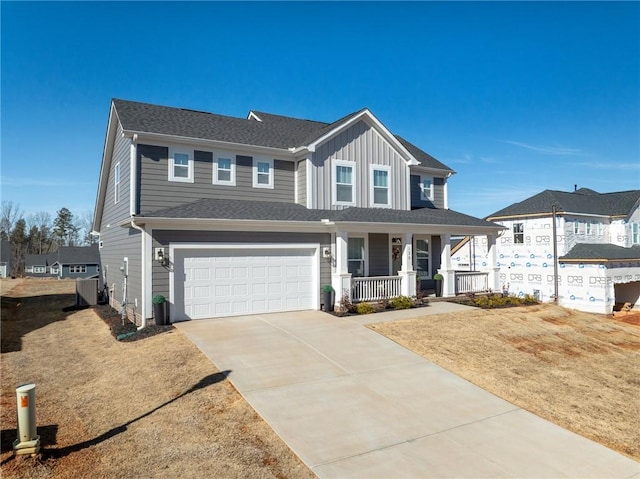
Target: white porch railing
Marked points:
375	288
471	282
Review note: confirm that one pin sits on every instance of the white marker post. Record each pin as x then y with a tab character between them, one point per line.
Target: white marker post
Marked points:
28	441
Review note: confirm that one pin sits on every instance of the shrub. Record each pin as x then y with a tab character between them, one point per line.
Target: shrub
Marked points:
401	302
346	305
365	308
158	299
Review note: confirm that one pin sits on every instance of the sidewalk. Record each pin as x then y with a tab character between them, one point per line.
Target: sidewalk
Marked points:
354	404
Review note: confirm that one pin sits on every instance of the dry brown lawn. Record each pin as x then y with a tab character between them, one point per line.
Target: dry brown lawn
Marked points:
106	409
578	370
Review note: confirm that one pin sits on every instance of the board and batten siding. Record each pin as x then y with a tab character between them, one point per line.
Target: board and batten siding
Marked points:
163	238
119	242
438	193
156	192
362	144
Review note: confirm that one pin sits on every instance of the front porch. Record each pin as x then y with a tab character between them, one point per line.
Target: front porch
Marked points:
359	266
378	288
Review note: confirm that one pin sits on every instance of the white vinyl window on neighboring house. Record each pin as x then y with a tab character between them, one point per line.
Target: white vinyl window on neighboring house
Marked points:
54	270
78	269
116	183
576	227
39	269
380	186
635	233
180	166
224	170
589	228
343	186
356	255
262	173
600	229
426	188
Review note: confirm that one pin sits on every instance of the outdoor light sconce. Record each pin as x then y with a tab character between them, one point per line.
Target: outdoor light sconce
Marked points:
160	257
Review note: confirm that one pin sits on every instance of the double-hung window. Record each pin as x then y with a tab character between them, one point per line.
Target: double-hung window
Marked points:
600	229
635	233
380	186
78	269
589	227
422	258
39	269
180	166
224	170
116	183
355	247
518	233
343	182
426	188
576	227
262	173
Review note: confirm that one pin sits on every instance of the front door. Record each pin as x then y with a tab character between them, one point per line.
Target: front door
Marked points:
396	255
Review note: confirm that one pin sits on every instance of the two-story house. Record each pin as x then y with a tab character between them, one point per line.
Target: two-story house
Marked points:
230	216
582	247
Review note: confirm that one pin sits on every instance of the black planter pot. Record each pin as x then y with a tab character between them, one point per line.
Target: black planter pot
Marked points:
159	314
328	301
438	284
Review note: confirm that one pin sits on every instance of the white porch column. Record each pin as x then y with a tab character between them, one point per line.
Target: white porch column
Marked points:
449	281
407	273
341	278
492	263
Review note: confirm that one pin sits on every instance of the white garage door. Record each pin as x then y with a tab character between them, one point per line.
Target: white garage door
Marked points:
230	282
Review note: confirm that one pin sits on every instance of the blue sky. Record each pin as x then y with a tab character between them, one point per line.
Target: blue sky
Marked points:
515	97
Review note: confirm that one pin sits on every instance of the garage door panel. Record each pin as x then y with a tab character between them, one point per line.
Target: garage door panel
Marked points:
224	282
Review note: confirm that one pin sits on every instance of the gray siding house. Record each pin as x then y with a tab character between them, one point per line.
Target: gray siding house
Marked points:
68	262
228	216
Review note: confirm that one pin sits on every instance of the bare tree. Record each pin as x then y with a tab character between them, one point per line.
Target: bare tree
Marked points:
40	236
84	223
9	214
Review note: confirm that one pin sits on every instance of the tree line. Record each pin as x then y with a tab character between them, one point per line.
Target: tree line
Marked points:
39	233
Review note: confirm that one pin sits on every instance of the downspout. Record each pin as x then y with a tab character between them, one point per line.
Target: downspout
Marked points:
555	256
143	322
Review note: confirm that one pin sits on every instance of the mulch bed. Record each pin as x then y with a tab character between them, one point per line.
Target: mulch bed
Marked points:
126	331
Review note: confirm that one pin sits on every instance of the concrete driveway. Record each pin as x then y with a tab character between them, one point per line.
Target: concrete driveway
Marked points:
351	403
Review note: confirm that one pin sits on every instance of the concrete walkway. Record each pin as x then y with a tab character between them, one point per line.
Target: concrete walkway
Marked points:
354	404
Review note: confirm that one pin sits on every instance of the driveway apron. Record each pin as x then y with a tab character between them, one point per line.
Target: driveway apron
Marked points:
354	404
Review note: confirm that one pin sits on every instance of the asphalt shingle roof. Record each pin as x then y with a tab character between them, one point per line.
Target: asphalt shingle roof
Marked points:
587	251
66	255
273	131
274	211
581	201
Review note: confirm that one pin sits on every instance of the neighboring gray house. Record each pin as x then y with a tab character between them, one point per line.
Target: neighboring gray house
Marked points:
67	262
597	243
5	258
228	216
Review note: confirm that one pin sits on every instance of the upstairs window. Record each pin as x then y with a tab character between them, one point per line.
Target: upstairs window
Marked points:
635	233
224	171
180	167
262	173
589	227
600	229
343	188
356	256
518	233
426	188
576	227
380	186
116	183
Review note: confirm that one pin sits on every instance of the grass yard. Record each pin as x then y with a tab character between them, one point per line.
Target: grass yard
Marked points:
578	370
107	409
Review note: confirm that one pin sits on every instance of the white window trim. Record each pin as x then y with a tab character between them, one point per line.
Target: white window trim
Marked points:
40	269
334	185
415	256
255	173
372	169
28	269
365	258
55	270
172	177
216	180
422	192
635	235
81	268
116	183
